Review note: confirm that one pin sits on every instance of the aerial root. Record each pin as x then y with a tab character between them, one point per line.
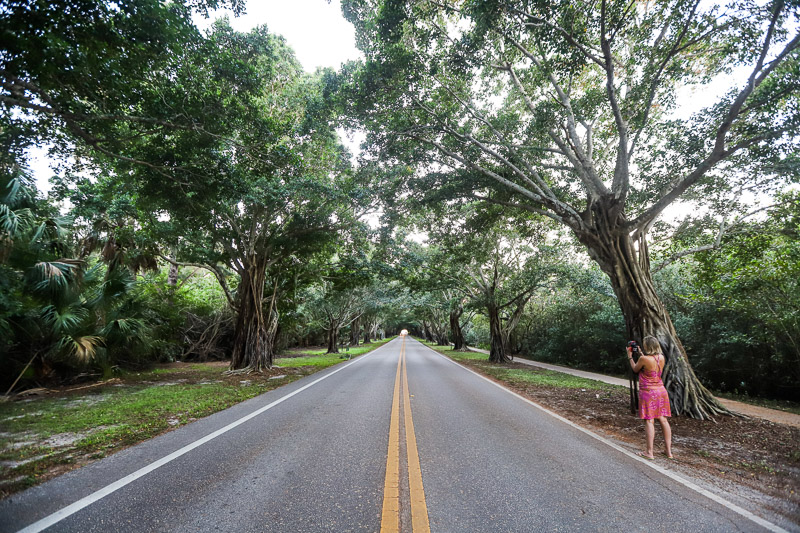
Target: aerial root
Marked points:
243	371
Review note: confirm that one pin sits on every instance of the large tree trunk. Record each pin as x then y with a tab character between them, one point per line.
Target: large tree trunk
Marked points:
629	271
172	277
455	329
497	352
442	339
253	343
333	340
355	332
426	332
512	322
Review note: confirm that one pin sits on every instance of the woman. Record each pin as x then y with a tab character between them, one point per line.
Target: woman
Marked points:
653	397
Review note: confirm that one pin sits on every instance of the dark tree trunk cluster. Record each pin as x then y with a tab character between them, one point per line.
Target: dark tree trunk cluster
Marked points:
255	329
497	351
456	331
333	340
355	332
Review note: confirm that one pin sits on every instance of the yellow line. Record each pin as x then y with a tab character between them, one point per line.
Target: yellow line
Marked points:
390	517
419	509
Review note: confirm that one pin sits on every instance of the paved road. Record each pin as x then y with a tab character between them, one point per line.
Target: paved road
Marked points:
312	457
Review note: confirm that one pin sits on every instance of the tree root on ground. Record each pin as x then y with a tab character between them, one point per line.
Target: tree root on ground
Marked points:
244	371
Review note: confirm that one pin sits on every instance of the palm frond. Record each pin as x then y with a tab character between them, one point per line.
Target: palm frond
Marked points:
13	222
125	327
83	347
13	188
20	188
128	333
41	230
64	320
143	262
5	329
61	226
56	276
89	245
118	283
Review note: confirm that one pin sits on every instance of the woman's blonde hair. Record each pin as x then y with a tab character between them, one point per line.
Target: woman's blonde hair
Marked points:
650	345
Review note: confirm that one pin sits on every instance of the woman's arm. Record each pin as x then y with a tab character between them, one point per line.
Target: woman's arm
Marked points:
638	365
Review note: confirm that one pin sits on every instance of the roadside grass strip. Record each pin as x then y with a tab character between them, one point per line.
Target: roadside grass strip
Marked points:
49	435
69	510
532	375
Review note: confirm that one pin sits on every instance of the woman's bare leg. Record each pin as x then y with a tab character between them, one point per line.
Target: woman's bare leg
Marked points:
650	433
667	434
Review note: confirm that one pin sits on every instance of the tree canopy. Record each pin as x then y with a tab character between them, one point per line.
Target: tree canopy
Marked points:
569	111
205	206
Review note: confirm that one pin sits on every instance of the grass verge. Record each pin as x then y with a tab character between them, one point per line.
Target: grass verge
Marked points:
41	437
519	376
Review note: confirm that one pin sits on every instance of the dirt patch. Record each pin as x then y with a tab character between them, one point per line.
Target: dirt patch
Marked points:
750	457
62	439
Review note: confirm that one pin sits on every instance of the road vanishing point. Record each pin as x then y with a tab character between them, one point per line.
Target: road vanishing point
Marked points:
400	439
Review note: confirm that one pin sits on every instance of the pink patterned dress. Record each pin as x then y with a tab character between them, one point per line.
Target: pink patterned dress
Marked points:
653	397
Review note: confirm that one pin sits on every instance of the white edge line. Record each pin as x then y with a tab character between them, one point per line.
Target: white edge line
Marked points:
73	508
675	477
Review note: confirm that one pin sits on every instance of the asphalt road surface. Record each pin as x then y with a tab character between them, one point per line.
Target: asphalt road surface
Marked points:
398	439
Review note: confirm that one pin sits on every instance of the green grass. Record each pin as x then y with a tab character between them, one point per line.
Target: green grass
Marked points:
165	374
464	356
317	357
321	361
105	421
128	410
458	356
550	378
137	408
533	375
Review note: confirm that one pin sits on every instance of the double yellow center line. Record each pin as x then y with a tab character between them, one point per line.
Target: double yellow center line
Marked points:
390	520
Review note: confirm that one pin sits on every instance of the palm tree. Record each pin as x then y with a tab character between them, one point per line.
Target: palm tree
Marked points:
61	310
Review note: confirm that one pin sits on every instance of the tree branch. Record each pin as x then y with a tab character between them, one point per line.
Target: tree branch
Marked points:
657	78
537	21
760	72
540	186
214	269
724	229
583	164
621	170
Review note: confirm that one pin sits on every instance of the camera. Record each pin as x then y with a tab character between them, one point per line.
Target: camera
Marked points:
634	347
